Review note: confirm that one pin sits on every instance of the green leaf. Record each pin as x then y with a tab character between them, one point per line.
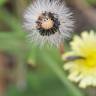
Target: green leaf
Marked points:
91	2
12	22
53	64
2	2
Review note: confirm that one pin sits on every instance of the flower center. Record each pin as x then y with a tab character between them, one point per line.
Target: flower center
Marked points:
91	61
47	24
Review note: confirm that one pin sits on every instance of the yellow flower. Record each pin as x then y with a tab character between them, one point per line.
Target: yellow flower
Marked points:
81	60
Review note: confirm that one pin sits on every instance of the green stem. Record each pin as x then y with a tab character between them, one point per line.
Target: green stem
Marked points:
54	66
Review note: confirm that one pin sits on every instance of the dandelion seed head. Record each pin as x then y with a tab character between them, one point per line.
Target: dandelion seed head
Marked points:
48	22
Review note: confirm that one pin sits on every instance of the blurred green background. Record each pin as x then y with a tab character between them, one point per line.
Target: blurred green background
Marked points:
38	72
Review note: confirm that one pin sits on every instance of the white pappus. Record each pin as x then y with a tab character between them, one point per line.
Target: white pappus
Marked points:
48	22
